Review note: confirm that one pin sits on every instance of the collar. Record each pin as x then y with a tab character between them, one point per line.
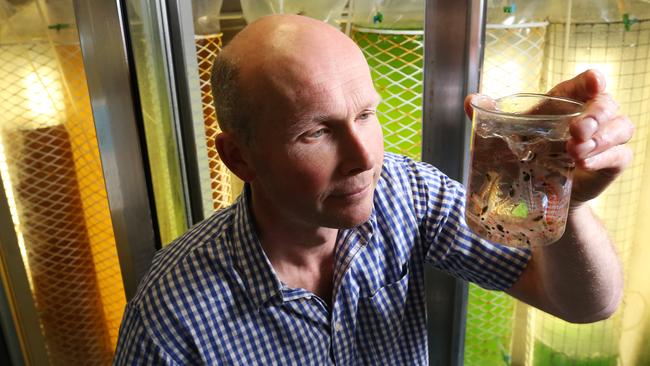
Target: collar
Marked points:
254	267
251	262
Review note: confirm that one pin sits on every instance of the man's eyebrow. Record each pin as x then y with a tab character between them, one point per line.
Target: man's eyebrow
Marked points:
372	106
306	118
317	117
304	122
376	100
372	103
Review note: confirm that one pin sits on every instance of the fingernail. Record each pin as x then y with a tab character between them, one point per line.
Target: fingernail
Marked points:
589	127
585	148
600	78
590	161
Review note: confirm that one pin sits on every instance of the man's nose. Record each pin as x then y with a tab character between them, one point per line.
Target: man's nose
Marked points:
356	155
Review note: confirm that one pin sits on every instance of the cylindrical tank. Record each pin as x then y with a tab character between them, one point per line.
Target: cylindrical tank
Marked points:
514	49
512	63
388	14
206	15
49	161
326	10
208	41
391	34
614	37
531	46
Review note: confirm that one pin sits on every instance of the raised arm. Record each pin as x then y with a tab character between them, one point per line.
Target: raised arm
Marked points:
579	278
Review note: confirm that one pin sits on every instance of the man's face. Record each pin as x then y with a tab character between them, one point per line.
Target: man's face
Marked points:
317	147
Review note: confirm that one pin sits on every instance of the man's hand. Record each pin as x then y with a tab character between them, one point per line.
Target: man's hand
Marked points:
598	135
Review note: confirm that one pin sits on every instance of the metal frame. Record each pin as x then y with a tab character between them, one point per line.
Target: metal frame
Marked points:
20	320
104	46
454	32
188	112
114	98
6	356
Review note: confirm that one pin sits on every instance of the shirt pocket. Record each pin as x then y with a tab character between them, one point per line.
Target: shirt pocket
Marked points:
379	320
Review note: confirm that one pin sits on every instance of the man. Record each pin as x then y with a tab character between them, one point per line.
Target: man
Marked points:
320	261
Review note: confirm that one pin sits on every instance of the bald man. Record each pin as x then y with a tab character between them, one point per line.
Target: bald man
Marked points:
320	261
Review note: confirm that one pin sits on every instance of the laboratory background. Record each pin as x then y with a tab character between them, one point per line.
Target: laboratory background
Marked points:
107	154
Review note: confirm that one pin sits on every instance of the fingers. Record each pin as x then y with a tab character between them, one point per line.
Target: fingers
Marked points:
595	174
582	129
610	162
598	128
601	108
591	137
611	133
583	87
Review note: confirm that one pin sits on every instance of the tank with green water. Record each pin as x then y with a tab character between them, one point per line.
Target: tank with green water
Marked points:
390	34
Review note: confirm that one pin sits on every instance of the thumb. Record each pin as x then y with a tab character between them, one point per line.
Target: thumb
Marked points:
480	100
468	105
583	87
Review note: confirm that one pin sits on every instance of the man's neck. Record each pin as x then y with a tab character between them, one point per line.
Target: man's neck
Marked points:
302	257
301	264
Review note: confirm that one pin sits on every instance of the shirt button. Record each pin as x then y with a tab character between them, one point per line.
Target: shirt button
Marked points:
338	326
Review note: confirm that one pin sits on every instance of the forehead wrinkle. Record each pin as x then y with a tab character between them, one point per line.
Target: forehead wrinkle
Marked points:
335	109
359	92
305	91
283	75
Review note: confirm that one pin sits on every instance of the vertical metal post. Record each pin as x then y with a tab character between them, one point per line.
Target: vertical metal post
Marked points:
452	57
114	99
20	320
6	355
182	65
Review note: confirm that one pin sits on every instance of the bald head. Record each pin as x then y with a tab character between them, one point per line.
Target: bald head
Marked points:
272	62
287	37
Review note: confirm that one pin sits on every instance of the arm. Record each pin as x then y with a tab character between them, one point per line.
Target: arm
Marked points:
579	278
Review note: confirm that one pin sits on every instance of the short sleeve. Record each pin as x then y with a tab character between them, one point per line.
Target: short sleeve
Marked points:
449	243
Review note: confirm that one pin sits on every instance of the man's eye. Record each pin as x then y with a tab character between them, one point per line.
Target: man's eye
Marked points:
318	133
365	115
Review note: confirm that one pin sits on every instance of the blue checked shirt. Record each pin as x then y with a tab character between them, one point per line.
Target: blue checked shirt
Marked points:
213	298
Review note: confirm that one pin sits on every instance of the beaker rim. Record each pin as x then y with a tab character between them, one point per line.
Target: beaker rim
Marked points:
528	116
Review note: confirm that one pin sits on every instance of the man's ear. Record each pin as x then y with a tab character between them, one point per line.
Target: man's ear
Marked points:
235	155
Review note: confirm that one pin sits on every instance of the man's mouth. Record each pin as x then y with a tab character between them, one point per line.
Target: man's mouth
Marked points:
352	192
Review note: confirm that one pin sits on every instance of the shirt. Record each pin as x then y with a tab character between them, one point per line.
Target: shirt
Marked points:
213	298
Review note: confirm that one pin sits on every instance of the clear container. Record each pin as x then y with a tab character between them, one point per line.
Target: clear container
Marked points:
326	10
520	177
206	16
391	14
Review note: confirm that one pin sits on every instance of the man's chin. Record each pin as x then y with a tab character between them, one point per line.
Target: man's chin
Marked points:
346	215
350	220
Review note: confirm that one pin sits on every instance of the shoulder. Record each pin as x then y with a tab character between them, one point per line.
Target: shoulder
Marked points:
417	181
192	284
185	267
407	171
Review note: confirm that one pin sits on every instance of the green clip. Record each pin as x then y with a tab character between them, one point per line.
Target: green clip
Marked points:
509	9
58	26
378	18
507	359
628	21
